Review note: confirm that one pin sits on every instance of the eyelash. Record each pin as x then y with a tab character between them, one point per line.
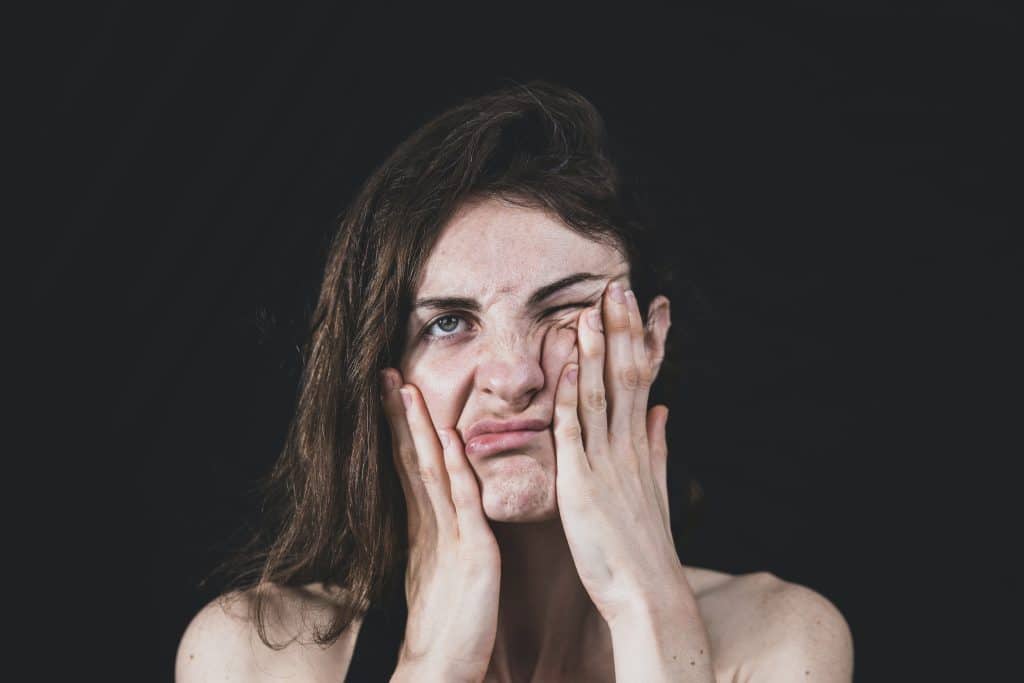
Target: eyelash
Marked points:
432	339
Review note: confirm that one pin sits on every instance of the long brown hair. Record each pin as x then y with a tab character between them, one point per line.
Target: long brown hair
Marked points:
335	509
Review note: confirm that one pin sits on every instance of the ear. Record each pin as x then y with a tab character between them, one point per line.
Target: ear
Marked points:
659	319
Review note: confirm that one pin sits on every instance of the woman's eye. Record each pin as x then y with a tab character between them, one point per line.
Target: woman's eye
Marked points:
447	324
569	311
446	327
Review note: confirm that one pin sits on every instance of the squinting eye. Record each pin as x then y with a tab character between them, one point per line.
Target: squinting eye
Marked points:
571	311
448	323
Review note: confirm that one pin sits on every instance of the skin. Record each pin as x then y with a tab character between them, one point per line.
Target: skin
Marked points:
499	369
505	363
556	608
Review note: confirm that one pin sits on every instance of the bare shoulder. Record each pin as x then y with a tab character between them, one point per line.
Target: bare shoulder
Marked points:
763	628
221	642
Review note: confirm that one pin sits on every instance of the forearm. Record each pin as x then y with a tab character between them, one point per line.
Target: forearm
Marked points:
664	641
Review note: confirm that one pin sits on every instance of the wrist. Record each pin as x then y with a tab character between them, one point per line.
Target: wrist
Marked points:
672	599
647	618
661	640
429	671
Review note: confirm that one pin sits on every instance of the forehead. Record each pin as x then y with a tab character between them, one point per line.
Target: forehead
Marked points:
491	247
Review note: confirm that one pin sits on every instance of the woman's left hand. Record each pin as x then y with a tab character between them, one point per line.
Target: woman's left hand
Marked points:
611	459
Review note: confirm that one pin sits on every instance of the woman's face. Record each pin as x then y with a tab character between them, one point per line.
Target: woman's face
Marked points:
496	355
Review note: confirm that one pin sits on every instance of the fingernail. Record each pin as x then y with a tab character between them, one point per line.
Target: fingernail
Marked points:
406	397
617	295
630	297
571	374
594	320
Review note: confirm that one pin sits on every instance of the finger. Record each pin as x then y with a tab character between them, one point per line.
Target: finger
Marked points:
559	346
657	420
658	323
570	457
469	511
644	374
403	450
429	459
593	404
620	373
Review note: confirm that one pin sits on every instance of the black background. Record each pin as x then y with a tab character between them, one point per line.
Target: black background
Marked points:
834	180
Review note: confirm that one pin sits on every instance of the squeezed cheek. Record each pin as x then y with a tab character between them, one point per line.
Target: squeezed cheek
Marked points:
442	384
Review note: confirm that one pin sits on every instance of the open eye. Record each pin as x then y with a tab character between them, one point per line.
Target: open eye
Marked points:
447	324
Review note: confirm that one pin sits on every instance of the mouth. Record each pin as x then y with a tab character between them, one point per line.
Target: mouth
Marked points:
497	442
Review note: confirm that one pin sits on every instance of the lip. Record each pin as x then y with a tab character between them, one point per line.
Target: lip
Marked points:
492	436
496	442
491	426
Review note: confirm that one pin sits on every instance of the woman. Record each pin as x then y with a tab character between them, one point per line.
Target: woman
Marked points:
473	429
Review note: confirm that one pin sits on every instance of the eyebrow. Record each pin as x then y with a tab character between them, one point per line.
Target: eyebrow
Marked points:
537	298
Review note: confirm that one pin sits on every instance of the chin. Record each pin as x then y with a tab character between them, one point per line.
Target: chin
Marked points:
517	488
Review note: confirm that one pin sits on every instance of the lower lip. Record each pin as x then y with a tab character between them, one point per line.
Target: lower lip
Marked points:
496	442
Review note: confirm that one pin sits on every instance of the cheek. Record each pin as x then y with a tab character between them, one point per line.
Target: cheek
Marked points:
442	383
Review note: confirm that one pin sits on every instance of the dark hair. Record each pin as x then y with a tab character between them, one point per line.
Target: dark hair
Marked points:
336	512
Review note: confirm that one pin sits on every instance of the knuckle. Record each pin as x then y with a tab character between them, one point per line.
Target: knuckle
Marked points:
571	432
594	400
623	441
428	474
630	377
460	497
617	323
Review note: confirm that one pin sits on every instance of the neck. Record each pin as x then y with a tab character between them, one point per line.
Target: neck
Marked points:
548	627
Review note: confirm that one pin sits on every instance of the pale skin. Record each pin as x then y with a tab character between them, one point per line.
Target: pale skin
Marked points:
552	561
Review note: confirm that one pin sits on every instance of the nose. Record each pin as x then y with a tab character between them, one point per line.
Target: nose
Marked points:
510	369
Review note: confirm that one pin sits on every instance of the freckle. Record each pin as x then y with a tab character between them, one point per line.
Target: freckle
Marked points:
691	662
807	673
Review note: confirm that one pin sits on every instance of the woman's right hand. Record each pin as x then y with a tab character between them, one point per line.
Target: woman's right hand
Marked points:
453	577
